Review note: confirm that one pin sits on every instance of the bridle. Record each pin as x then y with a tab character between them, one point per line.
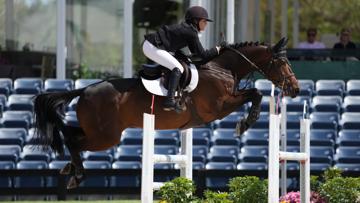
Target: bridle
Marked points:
275	56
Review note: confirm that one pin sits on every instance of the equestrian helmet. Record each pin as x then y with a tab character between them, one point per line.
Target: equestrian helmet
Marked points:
197	12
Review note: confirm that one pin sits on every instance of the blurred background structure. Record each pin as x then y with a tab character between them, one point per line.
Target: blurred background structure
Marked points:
90	38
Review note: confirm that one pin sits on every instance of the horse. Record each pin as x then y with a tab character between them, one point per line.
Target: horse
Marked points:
106	108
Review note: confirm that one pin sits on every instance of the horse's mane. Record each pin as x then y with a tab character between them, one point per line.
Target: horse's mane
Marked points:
247	44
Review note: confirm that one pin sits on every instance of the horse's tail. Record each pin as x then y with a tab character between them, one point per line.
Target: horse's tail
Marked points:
49	113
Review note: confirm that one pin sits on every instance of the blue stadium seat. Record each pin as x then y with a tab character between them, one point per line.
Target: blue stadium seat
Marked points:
326	103
198	165
351	104
58	85
264	86
218	182
125	180
35	152
167	137
264	105
200	153
72	105
293	120
17	119
6	182
21	102
324	120
230	120
255	137
16	132
53	180
30	181
6	86
201	136
347	155
105	155
28	86
348	138
10	153
11	138
262	122
348	166
306	87
297	104
323	137
321	154
319	166
330	87
163	178
166	149
128	153
253	154
225	137
245	84
350	120
71	119
3	101
244	166
353	87
96	180
81	83
131	136
223	154
293	137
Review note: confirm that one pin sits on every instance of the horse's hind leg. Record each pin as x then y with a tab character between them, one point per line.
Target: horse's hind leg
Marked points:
73	137
255	97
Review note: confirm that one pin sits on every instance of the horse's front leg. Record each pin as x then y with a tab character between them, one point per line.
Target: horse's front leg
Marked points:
254	96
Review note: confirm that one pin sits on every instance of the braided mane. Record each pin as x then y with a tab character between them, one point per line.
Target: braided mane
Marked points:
246	44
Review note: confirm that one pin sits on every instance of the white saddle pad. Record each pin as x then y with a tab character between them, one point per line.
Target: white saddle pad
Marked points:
157	88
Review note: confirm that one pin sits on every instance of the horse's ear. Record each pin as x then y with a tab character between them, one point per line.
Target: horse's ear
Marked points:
280	45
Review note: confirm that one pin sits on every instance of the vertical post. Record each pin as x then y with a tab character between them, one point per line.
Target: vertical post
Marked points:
147	172
272	100
60	40
283	134
230	18
273	159
186	149
128	38
305	164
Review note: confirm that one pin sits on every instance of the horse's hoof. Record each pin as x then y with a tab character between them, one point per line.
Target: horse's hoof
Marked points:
241	127
74	182
68	169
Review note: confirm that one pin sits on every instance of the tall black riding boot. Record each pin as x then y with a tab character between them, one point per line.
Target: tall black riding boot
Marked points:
170	103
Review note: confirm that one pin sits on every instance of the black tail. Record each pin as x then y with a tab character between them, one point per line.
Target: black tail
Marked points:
49	112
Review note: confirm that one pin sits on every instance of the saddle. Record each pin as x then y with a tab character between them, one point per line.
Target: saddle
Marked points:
156	72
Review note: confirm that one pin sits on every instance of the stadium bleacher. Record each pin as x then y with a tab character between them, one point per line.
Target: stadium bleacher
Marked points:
335	135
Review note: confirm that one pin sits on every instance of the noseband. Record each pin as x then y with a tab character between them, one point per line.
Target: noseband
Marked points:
280	83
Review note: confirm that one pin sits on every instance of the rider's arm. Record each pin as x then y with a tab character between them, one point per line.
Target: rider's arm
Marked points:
197	49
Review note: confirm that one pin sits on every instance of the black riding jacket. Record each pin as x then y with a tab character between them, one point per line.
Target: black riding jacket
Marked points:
175	37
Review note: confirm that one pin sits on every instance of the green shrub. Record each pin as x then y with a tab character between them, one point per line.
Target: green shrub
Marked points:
314	183
216	197
248	189
332	173
179	190
339	189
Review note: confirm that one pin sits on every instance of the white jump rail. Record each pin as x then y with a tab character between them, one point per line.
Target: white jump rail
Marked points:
184	159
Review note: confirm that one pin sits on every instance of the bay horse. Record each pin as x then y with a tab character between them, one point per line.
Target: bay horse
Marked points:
106	108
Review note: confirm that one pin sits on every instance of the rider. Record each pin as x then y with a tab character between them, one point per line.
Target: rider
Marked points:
175	37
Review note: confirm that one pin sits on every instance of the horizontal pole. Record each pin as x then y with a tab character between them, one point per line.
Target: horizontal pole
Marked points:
177	159
157	185
293	156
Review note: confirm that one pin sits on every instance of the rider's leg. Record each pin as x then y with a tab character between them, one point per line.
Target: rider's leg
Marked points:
165	59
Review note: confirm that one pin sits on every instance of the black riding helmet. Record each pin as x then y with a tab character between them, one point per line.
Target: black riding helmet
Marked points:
197	12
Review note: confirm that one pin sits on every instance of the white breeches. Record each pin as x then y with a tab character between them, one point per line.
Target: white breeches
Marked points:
161	57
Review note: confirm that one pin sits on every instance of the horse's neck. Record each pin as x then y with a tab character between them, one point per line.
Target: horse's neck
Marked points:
231	61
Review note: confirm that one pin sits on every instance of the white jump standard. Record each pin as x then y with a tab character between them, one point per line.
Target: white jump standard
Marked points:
276	156
184	159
